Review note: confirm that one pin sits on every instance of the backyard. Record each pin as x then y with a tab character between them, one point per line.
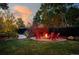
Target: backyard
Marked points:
31	47
39	29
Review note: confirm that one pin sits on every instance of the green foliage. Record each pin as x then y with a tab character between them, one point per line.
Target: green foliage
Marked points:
47	13
20	23
7	24
1	24
9	29
6	19
72	16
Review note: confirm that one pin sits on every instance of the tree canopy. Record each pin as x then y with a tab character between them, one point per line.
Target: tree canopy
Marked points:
56	14
4	6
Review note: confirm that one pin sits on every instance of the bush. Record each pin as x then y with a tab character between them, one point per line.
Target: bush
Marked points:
9	26
7	35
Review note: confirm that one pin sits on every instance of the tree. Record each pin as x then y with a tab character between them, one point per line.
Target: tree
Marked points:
20	23
1	24
9	26
49	11
4	6
72	16
7	21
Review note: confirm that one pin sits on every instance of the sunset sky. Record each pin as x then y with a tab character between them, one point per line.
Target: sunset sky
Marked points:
32	6
26	11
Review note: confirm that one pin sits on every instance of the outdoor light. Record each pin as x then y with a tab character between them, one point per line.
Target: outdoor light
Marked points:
46	35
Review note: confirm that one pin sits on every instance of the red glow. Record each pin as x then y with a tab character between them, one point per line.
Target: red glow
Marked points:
40	31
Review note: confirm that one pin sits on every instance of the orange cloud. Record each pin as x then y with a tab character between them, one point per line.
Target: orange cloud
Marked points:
22	10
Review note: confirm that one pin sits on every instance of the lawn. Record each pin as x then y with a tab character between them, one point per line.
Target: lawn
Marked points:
31	47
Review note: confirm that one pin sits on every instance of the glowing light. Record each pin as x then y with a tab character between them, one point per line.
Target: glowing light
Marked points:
46	35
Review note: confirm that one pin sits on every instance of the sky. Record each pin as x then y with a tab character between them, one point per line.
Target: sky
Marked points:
32	6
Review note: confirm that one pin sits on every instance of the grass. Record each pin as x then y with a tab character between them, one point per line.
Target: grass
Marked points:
31	47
